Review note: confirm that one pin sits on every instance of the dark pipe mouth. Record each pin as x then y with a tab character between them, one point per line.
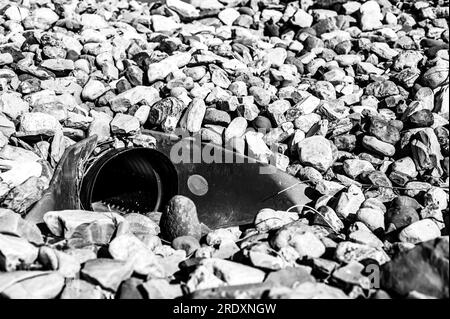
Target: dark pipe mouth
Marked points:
129	180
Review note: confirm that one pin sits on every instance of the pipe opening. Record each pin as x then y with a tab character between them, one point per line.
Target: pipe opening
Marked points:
129	180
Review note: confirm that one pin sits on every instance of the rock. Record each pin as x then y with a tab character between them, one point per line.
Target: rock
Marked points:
7	127
158	71
16	13
14	224
354	167
347	252
131	289
327	217
93	21
383	50
194	115
81	289
222	235
15	252
37	123
310	174
12	105
300	237
228	16
316	151
435	76
130	249
65	264
166	113
422	269
123	101
405	167
370	16
374	203
31	285
141	225
372	218
180	219
184	9
236	128
233	273
436	196
276	57
64	223
93	90
399	217
373	144
108	273
350	274
349	202
187	243
290	277
124	124
302	19
420	231
382	89
58	65
100	126
365	237
262	96
46	16
269	219
422	118
384	131
308	290
257	148
161	289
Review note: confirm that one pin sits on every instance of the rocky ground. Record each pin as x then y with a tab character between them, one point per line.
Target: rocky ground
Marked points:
351	97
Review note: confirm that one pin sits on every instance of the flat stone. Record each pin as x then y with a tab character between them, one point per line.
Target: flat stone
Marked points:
373	144
15	252
31	285
38	124
13	223
124	124
64	223
420	231
108	273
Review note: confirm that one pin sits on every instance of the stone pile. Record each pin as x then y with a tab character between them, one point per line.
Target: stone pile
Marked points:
351	97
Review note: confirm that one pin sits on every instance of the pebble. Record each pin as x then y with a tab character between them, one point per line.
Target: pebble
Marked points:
420	231
31	285
268	219
124	124
81	289
37	123
349	202
348	252
379	147
187	243
372	218
16	251
316	151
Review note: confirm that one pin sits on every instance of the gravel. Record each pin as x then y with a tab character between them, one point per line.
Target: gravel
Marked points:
349	97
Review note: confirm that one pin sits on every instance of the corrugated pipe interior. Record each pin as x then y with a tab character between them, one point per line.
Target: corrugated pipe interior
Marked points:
132	180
